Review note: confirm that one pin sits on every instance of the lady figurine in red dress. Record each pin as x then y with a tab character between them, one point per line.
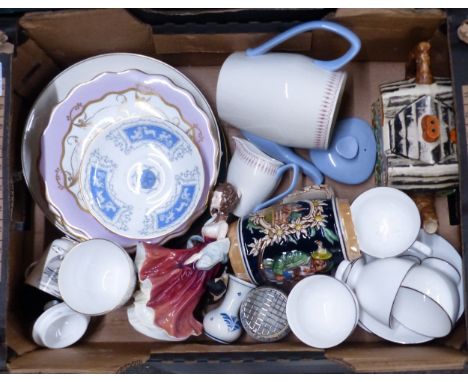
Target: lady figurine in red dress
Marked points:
172	281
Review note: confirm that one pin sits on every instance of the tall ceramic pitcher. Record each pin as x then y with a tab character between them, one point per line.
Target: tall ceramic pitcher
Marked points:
288	98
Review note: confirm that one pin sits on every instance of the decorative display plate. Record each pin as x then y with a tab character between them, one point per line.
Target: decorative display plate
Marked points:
92	106
58	89
142	178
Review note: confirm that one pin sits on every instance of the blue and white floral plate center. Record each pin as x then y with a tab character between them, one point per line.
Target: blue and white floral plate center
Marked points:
142	178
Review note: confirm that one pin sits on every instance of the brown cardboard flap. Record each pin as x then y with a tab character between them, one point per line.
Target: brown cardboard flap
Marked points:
105	358
387	358
87	33
31	67
212	347
457	338
386	34
17	339
224	42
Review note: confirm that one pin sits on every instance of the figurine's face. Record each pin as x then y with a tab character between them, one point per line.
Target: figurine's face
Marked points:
216	202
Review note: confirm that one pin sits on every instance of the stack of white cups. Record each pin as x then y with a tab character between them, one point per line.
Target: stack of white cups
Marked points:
408	283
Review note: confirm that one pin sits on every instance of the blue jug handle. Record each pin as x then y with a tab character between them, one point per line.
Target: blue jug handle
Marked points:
306	27
296	176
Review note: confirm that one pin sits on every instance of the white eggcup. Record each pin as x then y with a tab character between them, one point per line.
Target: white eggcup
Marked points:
387	223
96	277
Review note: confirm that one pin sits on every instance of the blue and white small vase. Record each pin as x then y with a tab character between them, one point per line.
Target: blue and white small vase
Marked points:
222	324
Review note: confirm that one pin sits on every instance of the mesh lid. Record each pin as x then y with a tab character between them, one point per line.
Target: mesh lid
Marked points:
263	314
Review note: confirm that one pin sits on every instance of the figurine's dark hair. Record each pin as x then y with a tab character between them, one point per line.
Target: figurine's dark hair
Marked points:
229	199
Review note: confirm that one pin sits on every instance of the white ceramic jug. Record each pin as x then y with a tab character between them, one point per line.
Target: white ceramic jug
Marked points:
288	98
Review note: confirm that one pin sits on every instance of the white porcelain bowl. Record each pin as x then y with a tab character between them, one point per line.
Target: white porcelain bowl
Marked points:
421	314
386	221
96	277
322	311
59	327
436	286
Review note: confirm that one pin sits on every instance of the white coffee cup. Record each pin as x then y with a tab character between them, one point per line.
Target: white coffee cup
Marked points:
255	176
288	98
43	274
387	223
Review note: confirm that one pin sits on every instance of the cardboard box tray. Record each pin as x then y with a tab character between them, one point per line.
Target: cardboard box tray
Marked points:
51	41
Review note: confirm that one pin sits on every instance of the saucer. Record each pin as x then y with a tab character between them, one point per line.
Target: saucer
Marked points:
142	178
397	332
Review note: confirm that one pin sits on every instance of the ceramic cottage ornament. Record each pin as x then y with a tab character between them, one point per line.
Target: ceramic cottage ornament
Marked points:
172	281
415	128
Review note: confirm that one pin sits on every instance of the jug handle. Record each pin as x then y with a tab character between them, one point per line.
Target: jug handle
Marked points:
312	25
296	176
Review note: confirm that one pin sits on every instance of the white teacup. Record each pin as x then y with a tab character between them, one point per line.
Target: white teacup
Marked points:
421	314
288	98
444	267
387	223
255	176
376	284
96	277
434	285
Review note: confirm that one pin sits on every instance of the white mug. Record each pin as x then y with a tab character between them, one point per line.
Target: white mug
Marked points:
43	274
255	176
288	98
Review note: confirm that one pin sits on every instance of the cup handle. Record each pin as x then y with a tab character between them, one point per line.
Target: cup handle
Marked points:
312	25
29	269
296	175
422	249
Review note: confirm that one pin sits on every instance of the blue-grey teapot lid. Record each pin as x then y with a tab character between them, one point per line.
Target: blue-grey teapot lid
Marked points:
351	156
